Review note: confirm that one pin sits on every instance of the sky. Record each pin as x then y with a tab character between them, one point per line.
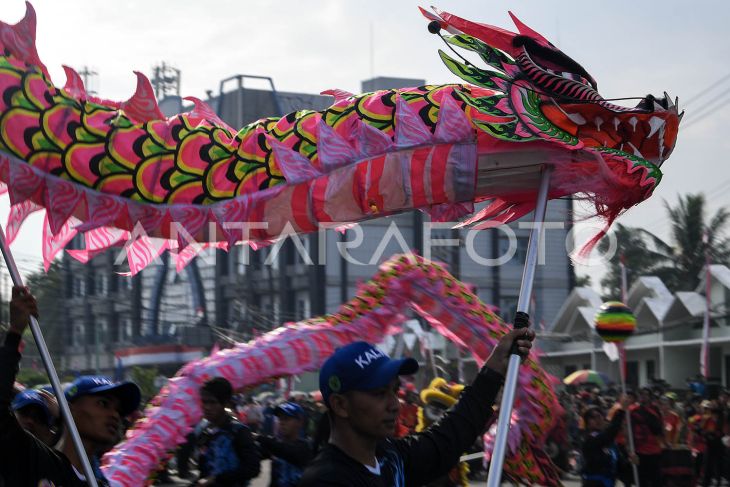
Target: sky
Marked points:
631	48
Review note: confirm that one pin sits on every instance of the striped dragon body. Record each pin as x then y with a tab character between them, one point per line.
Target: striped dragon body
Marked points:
124	172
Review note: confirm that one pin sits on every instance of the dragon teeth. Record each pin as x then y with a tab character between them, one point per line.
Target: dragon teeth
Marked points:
633	121
636	151
598	121
616	123
576	118
655	123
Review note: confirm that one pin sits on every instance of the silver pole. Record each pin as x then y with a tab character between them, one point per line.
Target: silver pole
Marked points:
621	371
523	305
50	369
629	432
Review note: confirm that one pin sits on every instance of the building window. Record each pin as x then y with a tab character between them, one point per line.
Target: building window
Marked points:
520	254
125	330
79	286
303	255
569	369
78	335
632	374
102	284
303	310
241	256
650	370
508	308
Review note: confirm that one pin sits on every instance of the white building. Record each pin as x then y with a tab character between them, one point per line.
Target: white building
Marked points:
668	338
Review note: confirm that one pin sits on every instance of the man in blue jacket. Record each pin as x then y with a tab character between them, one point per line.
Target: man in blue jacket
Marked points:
227	454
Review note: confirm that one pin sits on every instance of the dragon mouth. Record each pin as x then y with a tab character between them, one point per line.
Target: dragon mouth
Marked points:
571	102
648	131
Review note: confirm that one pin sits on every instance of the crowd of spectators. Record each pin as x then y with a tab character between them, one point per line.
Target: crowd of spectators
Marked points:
679	437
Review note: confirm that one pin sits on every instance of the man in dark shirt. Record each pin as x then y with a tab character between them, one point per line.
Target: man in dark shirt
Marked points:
601	454
34	415
227	455
359	385
289	451
97	406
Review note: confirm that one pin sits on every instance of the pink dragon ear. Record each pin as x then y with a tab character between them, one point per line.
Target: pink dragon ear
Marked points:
527	31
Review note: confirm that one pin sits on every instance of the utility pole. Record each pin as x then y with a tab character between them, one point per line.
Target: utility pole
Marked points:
166	80
87	75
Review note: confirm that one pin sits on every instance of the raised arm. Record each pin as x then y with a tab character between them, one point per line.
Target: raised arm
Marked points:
432	453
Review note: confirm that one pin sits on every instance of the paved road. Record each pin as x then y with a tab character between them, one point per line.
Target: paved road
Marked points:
263	480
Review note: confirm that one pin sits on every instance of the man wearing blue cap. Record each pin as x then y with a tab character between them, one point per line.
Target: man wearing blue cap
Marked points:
32	412
359	385
97	406
289	452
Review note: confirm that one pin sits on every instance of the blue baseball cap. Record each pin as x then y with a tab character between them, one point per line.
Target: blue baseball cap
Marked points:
291	409
360	366
31	397
128	393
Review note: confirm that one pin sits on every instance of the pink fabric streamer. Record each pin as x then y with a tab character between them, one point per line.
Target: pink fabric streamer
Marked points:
403	282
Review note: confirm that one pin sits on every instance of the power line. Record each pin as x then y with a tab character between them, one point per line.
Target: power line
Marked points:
709	104
707	114
705	91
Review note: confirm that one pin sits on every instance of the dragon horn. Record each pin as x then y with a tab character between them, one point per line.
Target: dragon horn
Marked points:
142	106
526	30
19	39
74	84
494	36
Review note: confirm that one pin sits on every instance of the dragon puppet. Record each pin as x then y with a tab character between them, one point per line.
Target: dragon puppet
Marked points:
120	172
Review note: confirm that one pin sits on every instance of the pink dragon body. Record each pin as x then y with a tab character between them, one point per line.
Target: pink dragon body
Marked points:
123	172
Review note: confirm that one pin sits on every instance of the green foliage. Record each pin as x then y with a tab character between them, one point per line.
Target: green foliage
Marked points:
144	377
31	378
678	263
47	287
639	258
583	281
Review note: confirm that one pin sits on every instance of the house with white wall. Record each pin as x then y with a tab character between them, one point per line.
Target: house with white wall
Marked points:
668	339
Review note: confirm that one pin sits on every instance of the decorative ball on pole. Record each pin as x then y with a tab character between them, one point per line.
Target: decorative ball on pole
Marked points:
614	322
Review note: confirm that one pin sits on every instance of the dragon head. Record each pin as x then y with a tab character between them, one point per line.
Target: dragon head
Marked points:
532	91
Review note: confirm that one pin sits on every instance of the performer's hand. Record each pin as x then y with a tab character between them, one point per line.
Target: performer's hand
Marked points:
625	401
51	402
498	361
634	458
22	306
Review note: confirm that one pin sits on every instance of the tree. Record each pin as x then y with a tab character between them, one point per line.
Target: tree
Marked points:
583	281
678	263
686	250
47	289
639	258
145	377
